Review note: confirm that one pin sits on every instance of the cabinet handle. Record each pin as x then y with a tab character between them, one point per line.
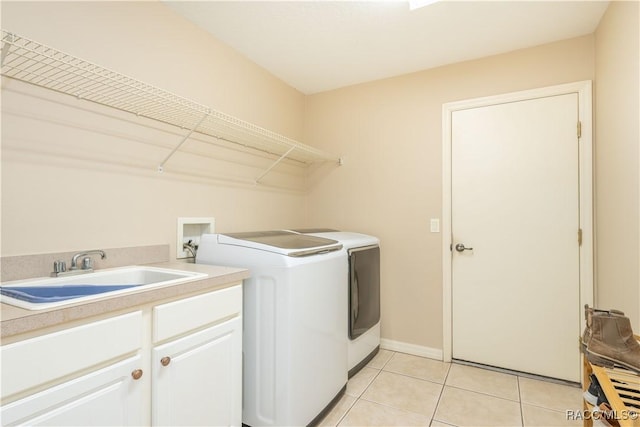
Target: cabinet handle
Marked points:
165	361
137	374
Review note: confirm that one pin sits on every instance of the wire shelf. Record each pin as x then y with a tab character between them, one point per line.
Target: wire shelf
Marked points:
41	65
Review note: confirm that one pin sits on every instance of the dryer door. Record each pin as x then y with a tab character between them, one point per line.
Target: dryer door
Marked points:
364	289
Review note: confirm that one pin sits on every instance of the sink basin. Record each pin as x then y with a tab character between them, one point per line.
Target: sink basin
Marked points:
43	293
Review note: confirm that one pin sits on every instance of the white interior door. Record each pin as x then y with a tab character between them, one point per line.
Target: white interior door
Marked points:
515	201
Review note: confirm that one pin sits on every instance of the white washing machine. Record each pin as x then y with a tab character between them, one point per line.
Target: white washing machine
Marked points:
363	281
295	349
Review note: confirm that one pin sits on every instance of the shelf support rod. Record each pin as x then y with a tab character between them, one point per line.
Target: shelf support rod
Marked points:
166	159
7	45
274	164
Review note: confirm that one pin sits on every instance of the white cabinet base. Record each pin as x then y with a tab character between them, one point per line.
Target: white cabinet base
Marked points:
201	384
109	396
84	375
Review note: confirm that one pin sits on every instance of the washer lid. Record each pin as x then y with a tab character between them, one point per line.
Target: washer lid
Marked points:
313	230
283	242
349	239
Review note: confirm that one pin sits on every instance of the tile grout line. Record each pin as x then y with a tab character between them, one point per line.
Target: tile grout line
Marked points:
376	375
538	405
347	411
387	405
484	394
412	377
444	384
357	398
393	353
416	378
369	385
520	401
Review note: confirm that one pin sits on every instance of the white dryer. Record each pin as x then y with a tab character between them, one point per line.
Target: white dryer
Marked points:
362	278
295	348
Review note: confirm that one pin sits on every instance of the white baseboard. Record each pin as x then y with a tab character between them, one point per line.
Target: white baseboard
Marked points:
416	350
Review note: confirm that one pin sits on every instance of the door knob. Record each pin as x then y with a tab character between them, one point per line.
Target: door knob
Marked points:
460	248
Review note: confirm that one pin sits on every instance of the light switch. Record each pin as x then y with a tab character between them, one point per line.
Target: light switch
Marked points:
435	225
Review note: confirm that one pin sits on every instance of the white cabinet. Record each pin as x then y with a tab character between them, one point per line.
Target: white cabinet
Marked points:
108	396
177	363
197	363
197	380
105	395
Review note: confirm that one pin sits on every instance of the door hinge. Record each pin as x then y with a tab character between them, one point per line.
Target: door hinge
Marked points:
579	130
579	236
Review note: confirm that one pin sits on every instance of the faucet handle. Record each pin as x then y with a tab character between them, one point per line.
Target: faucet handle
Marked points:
87	263
59	266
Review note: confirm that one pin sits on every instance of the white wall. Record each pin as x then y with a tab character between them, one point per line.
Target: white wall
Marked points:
617	159
76	176
79	177
390	186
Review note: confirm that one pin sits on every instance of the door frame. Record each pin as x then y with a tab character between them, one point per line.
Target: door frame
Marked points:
585	150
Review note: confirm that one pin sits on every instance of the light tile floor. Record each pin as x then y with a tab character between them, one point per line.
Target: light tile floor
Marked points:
397	389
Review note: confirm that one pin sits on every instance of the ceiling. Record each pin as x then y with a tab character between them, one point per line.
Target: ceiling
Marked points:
316	46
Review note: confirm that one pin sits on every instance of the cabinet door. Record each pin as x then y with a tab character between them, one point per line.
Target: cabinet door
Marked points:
197	379
49	358
109	396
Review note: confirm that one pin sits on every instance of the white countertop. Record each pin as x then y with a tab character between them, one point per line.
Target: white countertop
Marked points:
15	320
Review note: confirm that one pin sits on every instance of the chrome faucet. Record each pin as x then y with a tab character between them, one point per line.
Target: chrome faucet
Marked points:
60	267
87	262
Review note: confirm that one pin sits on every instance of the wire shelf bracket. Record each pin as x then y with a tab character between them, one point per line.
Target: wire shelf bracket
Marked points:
274	164
40	65
177	147
5	46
